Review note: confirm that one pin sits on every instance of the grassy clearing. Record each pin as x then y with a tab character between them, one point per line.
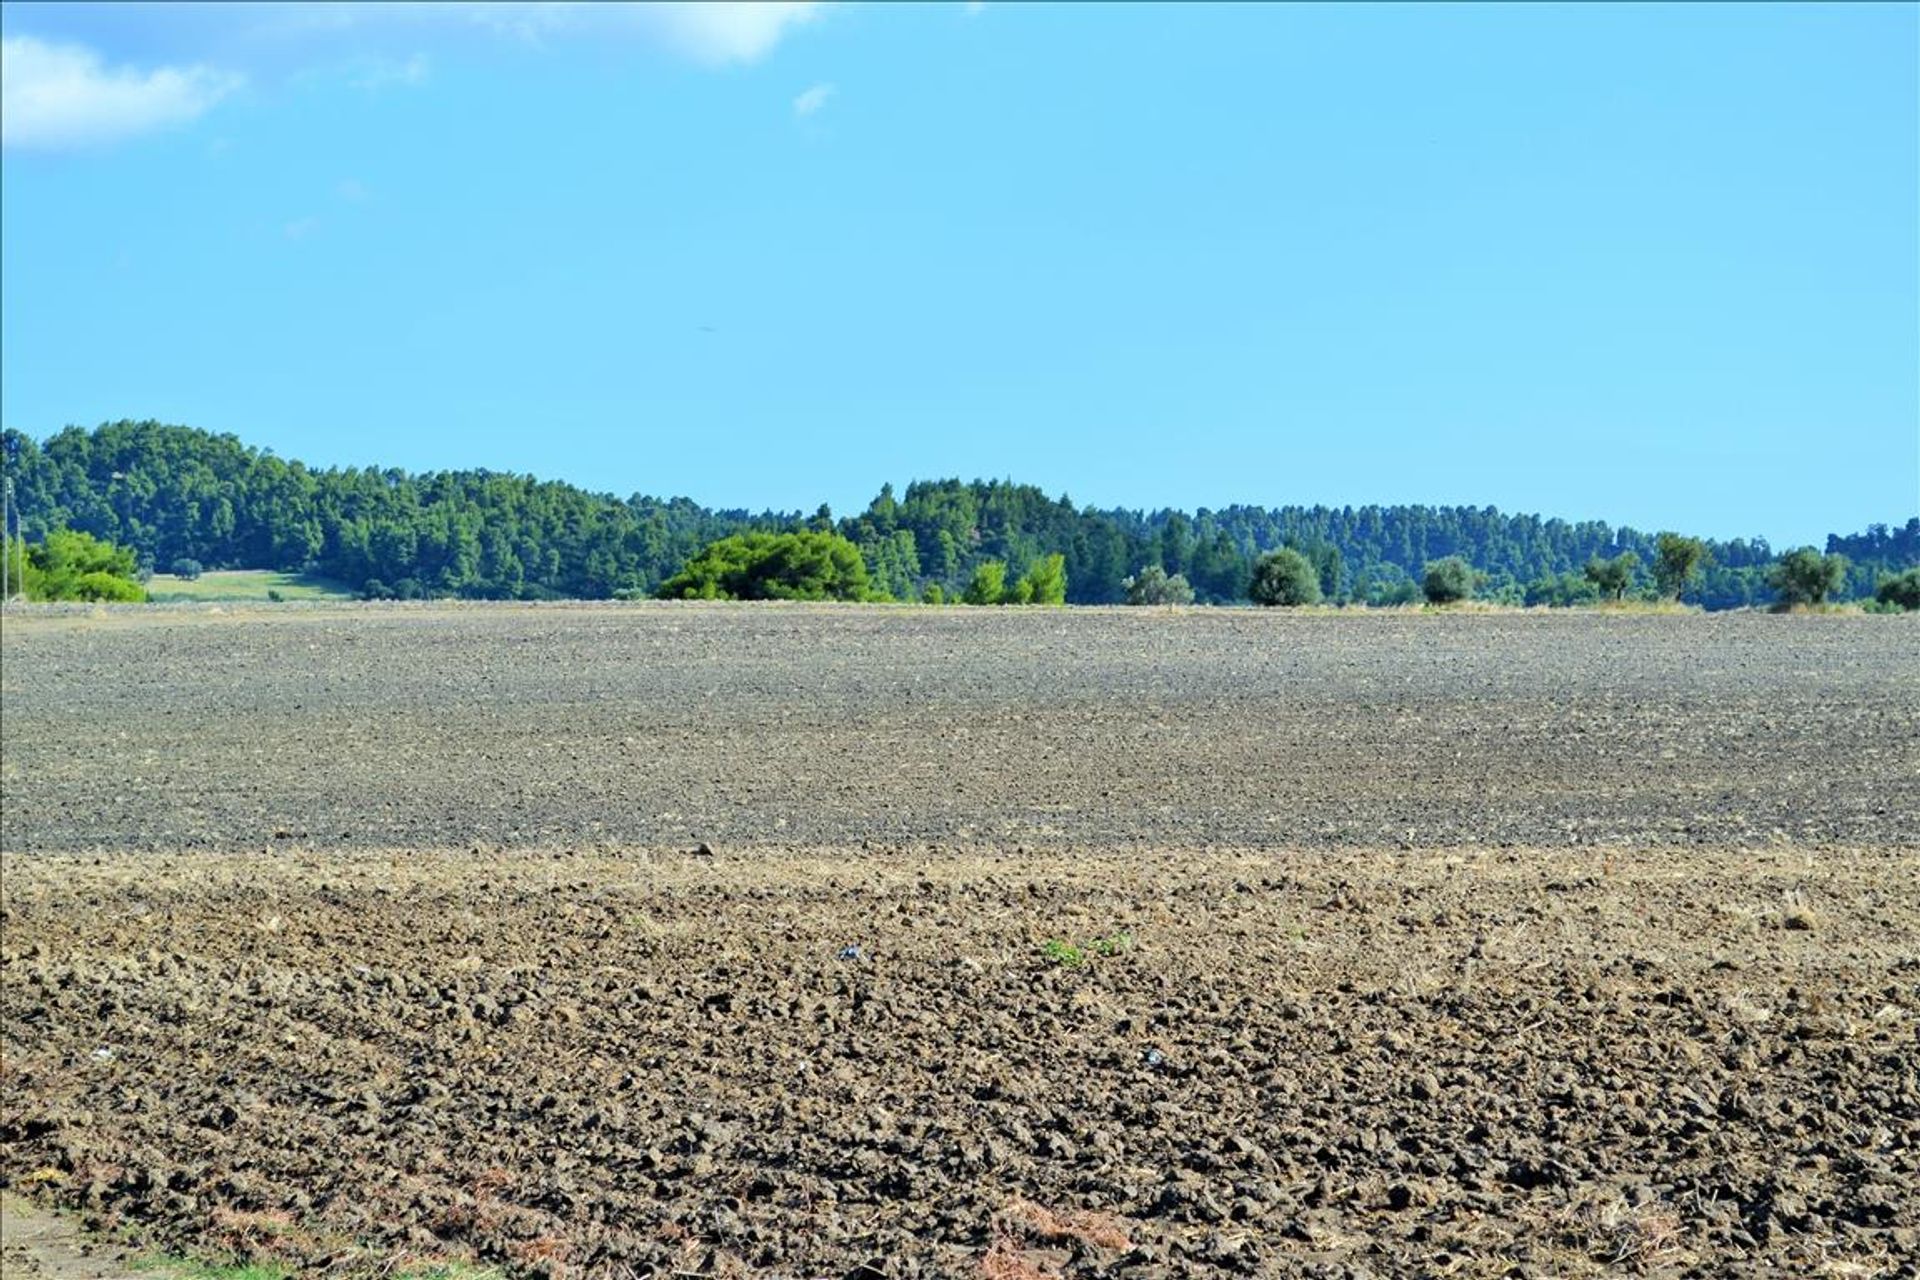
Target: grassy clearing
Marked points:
245	584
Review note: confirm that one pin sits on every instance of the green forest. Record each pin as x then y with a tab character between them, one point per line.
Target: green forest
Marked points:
174	493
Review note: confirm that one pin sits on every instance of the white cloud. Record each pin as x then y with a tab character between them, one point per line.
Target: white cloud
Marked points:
722	33
975	6
352	190
61	95
812	100
381	73
712	33
301	228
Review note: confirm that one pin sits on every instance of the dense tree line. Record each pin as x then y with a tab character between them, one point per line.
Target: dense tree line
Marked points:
939	530
1879	553
175	493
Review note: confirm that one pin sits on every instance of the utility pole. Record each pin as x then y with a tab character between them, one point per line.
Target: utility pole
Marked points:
13	560
6	556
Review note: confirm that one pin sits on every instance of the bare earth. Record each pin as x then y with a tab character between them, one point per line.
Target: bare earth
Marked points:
44	1245
1028	943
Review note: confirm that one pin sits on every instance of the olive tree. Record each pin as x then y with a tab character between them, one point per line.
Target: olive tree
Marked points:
1677	561
1902	591
1614	576
1804	576
1447	580
1153	585
1285	578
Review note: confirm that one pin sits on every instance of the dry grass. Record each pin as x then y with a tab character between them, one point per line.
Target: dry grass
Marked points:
251	1233
540	1249
1610	1231
1004	1261
1798	913
1049	1226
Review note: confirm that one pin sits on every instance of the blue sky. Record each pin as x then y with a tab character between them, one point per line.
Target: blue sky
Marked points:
1654	265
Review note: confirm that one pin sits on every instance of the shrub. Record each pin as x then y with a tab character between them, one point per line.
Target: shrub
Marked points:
1285	578
806	565
1902	591
77	566
185	567
273	595
103	586
989	584
1389	584
1153	585
934	594
1044	582
1804	576
1561	592
1447	580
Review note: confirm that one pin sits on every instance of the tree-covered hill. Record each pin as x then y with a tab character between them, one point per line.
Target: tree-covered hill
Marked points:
174	492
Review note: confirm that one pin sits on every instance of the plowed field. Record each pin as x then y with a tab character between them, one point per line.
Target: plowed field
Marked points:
1018	943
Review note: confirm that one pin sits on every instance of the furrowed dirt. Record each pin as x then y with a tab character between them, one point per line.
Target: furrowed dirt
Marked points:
794	1062
1023	945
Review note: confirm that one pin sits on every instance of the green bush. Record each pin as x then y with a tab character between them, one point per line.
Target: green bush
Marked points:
1284	578
1804	576
1045	581
1448	580
1902	591
78	566
807	565
106	587
1563	591
185	567
989	585
934	594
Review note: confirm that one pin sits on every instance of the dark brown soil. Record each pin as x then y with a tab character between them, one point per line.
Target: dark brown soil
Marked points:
1019	944
1491	1064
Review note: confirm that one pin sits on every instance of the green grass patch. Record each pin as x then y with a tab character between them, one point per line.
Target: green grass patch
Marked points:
182	1269
1070	956
239	585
